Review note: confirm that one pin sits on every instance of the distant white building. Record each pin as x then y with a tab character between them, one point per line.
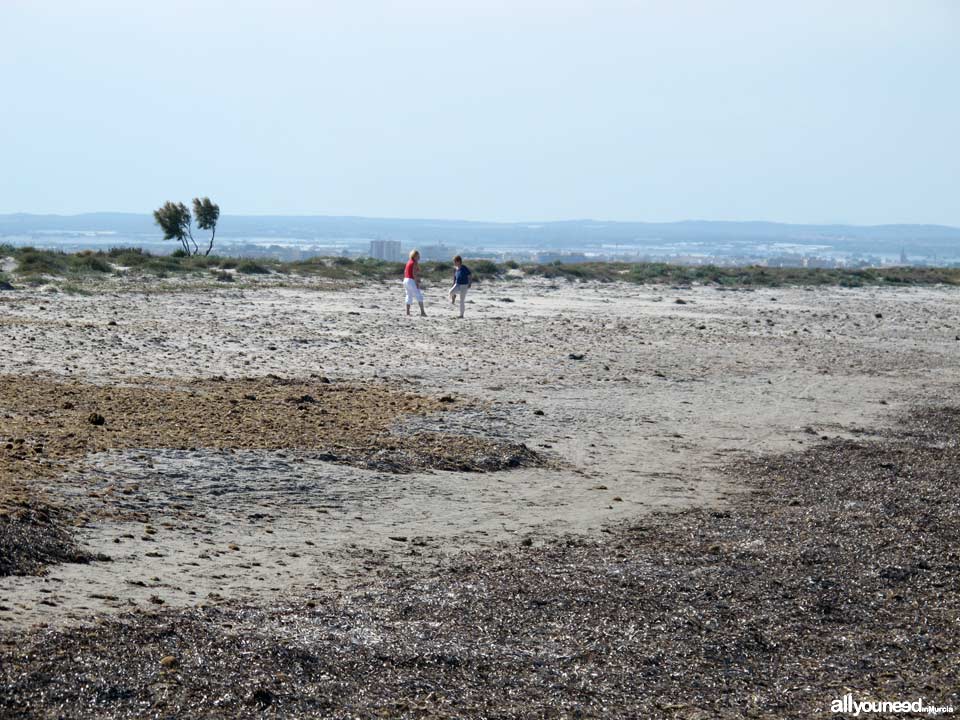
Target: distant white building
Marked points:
435	252
386	250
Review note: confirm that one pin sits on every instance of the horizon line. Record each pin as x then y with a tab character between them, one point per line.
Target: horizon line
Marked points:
504	222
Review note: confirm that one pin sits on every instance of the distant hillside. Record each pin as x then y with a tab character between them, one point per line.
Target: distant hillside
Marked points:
572	234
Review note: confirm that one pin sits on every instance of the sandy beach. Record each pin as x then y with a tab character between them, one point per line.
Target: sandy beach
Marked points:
672	384
593	405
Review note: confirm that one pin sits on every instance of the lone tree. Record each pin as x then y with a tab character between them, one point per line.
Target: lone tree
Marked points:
175	221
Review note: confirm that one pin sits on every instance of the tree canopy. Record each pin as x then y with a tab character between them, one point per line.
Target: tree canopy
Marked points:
206	213
176	222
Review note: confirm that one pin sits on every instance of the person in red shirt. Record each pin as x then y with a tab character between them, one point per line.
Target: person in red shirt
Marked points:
411	281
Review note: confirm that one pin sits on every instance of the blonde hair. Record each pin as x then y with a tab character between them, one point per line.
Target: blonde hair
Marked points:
414	252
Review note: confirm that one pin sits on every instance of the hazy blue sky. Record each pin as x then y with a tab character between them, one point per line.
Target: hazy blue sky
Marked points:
797	111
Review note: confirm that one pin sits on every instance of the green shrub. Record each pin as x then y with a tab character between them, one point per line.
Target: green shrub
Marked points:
486	268
202	262
334	272
121	251
90	263
317	267
251	267
41	262
128	257
163	264
378	269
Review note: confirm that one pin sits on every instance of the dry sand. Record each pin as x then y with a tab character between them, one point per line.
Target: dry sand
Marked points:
665	393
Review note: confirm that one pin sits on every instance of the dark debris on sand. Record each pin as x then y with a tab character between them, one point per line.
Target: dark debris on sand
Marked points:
32	536
46	424
443	451
836	574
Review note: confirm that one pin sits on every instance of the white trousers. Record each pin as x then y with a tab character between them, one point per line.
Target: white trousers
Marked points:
460	290
413	292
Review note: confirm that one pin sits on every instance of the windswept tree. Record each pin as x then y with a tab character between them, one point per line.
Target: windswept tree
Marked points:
174	219
206	214
176	222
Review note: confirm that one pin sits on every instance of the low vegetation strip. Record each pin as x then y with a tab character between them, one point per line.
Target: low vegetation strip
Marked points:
35	265
835	576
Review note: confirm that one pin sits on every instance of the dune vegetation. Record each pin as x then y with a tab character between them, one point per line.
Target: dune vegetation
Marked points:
35	266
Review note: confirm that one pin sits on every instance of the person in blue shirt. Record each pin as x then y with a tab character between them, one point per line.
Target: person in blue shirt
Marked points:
461	282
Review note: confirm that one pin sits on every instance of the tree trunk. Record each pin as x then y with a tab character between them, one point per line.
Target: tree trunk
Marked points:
213	234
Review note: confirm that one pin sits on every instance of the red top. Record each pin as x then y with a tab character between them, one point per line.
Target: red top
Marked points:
408	270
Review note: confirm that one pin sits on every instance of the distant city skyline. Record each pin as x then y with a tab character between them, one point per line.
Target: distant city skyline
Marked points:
690	243
522	111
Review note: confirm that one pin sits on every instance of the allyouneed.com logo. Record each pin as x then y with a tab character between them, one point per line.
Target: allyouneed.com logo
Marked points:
848	705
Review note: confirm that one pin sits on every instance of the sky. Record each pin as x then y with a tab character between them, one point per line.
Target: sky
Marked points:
501	110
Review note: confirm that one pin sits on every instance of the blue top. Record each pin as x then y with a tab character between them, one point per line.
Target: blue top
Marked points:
462	275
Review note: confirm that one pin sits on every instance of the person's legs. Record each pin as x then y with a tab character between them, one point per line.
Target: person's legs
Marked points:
410	288
463	298
453	293
419	295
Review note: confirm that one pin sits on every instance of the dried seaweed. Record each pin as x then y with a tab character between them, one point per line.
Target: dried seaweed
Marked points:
32	537
836	574
47	424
